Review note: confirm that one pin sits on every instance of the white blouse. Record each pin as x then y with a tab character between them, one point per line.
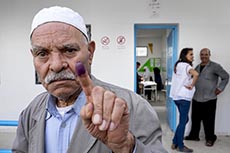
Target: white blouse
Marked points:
180	79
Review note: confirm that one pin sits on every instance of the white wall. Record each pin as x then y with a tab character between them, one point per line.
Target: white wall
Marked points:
201	24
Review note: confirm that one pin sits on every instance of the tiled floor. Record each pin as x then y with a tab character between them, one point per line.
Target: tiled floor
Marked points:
222	144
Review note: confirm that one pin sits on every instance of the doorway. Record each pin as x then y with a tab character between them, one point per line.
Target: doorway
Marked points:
159	45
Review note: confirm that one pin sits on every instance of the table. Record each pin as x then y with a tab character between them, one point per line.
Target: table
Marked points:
153	87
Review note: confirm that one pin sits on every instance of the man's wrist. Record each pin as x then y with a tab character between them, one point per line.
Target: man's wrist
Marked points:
128	146
131	142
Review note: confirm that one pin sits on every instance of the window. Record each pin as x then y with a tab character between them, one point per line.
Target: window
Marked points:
141	51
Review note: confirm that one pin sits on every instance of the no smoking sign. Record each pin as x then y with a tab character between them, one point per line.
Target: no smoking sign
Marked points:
105	40
121	40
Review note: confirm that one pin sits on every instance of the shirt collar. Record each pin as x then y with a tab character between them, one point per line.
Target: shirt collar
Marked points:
51	106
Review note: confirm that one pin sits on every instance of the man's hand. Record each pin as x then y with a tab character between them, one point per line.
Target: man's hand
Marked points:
189	87
217	91
105	116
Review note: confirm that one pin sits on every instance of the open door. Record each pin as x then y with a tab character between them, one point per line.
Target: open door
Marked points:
171	57
170	51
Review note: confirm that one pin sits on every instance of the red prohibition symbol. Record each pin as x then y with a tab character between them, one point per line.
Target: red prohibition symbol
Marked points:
105	40
121	40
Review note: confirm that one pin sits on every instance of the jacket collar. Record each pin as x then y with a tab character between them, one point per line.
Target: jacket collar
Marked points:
81	141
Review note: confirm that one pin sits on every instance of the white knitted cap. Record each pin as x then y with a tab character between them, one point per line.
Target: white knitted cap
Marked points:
59	14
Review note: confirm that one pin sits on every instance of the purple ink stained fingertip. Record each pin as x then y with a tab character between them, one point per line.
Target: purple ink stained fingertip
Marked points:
80	69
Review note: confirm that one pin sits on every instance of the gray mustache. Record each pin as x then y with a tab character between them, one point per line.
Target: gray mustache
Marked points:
63	75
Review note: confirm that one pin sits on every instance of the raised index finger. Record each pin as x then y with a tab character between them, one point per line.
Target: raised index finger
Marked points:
84	79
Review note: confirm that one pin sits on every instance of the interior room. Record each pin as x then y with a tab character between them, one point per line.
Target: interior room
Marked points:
152	45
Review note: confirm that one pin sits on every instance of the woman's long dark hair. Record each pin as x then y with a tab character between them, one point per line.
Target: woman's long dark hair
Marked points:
183	58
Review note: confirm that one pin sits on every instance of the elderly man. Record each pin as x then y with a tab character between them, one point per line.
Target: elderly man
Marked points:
79	113
205	97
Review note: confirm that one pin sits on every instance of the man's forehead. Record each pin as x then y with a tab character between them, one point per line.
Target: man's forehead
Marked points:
204	52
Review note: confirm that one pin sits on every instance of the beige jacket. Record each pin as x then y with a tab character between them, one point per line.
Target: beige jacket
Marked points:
144	125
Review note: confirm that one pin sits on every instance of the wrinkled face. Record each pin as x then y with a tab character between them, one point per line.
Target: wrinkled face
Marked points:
190	56
56	47
204	56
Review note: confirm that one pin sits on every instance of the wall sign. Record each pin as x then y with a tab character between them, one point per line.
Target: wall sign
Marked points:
105	40
121	40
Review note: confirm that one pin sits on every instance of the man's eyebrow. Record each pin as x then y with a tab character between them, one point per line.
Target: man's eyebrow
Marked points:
36	48
72	45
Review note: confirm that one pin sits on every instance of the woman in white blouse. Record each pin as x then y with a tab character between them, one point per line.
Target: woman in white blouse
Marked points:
182	89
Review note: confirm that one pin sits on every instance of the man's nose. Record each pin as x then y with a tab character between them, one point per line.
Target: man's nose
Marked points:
57	62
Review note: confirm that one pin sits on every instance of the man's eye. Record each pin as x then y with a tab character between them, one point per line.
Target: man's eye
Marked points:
41	54
70	50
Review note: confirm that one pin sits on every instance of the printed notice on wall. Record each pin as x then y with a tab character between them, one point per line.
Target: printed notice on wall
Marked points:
153	7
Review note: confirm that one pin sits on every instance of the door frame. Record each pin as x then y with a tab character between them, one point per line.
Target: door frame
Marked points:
170	106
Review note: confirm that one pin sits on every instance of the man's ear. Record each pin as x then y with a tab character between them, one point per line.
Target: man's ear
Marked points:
91	49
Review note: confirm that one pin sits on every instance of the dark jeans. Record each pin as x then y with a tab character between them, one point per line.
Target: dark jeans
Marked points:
206	112
183	108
